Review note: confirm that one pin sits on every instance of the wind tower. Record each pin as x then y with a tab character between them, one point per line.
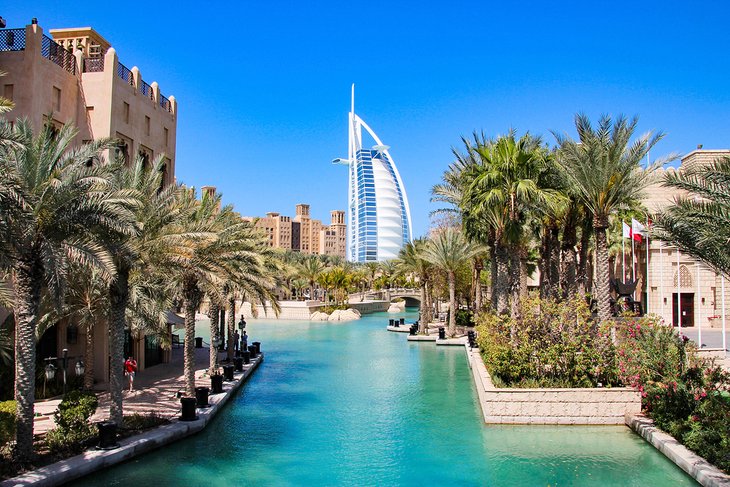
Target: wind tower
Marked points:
378	215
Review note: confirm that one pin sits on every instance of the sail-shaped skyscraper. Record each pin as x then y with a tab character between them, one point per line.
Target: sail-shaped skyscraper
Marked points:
378	216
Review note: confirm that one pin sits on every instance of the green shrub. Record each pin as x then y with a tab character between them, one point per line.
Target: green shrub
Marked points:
139	421
464	318
73	429
553	344
7	421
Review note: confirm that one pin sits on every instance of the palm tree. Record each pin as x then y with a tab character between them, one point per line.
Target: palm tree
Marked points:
310	269
699	223
56	208
411	260
506	179
448	251
604	170
226	250
140	294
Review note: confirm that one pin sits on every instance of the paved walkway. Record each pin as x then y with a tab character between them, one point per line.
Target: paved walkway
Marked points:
155	390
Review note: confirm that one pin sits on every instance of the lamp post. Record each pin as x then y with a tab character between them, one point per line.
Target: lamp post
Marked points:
65	365
50	372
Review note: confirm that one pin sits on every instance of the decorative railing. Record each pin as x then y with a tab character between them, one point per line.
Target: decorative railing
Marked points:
165	103
52	51
12	40
93	64
125	73
146	90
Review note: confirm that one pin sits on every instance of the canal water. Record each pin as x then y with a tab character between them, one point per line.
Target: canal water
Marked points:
353	404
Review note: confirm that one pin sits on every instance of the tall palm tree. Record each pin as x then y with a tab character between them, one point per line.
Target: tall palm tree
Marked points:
699	223
55	210
310	269
505	180
226	250
141	293
448	251
411	260
604	169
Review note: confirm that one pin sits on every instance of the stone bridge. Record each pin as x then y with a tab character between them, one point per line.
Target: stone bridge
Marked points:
411	296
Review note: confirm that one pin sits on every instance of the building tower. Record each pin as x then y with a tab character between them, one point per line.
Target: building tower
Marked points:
378	216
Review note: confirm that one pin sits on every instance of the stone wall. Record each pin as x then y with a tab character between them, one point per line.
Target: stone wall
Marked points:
550	406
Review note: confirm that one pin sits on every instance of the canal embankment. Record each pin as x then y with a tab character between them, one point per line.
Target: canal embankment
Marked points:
94	460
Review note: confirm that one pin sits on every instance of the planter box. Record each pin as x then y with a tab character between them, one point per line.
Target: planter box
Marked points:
551	406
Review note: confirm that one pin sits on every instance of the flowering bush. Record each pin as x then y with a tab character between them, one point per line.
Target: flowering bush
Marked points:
553	344
686	396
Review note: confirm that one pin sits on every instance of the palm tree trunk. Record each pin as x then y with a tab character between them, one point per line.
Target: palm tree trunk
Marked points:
190	292
514	283
452	303
500	282
523	274
118	298
492	276
545	255
27	281
89	358
602	290
478	266
213	314
584	257
231	323
569	259
554	236
422	323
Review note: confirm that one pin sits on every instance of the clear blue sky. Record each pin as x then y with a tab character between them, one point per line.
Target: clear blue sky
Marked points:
264	87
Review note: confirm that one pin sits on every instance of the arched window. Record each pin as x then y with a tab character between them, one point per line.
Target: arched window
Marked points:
685	278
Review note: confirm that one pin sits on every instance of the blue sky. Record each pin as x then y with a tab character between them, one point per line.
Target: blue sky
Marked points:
263	87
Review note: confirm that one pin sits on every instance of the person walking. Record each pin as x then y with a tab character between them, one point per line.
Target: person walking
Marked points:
236	337
130	368
244	341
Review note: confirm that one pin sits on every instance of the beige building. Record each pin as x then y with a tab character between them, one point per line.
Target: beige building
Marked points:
74	76
304	234
678	284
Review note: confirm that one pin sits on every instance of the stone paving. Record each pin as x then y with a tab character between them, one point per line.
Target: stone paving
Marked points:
155	389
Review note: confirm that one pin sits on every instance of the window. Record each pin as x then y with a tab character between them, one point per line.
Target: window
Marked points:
57	99
126	112
146	125
167	137
8	92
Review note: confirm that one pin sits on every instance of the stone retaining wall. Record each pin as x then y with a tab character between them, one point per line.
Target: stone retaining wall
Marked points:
550	406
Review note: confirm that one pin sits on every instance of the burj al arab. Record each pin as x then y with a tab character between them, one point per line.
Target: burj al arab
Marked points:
378	216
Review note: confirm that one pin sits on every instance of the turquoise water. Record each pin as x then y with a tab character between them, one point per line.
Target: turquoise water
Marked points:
353	404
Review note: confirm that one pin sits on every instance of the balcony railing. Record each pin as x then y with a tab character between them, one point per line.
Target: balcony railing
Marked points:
51	50
146	90
12	40
124	73
165	103
93	64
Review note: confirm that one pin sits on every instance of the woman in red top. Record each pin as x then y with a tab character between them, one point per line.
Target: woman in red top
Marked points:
130	367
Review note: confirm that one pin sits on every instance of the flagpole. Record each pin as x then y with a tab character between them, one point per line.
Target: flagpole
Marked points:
648	288
661	276
679	296
633	264
623	258
699	301
724	345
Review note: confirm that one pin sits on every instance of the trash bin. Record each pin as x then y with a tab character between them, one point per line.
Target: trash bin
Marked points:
258	347
228	372
442	333
246	356
188	409
107	435
198	342
201	397
216	384
238	364
252	351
